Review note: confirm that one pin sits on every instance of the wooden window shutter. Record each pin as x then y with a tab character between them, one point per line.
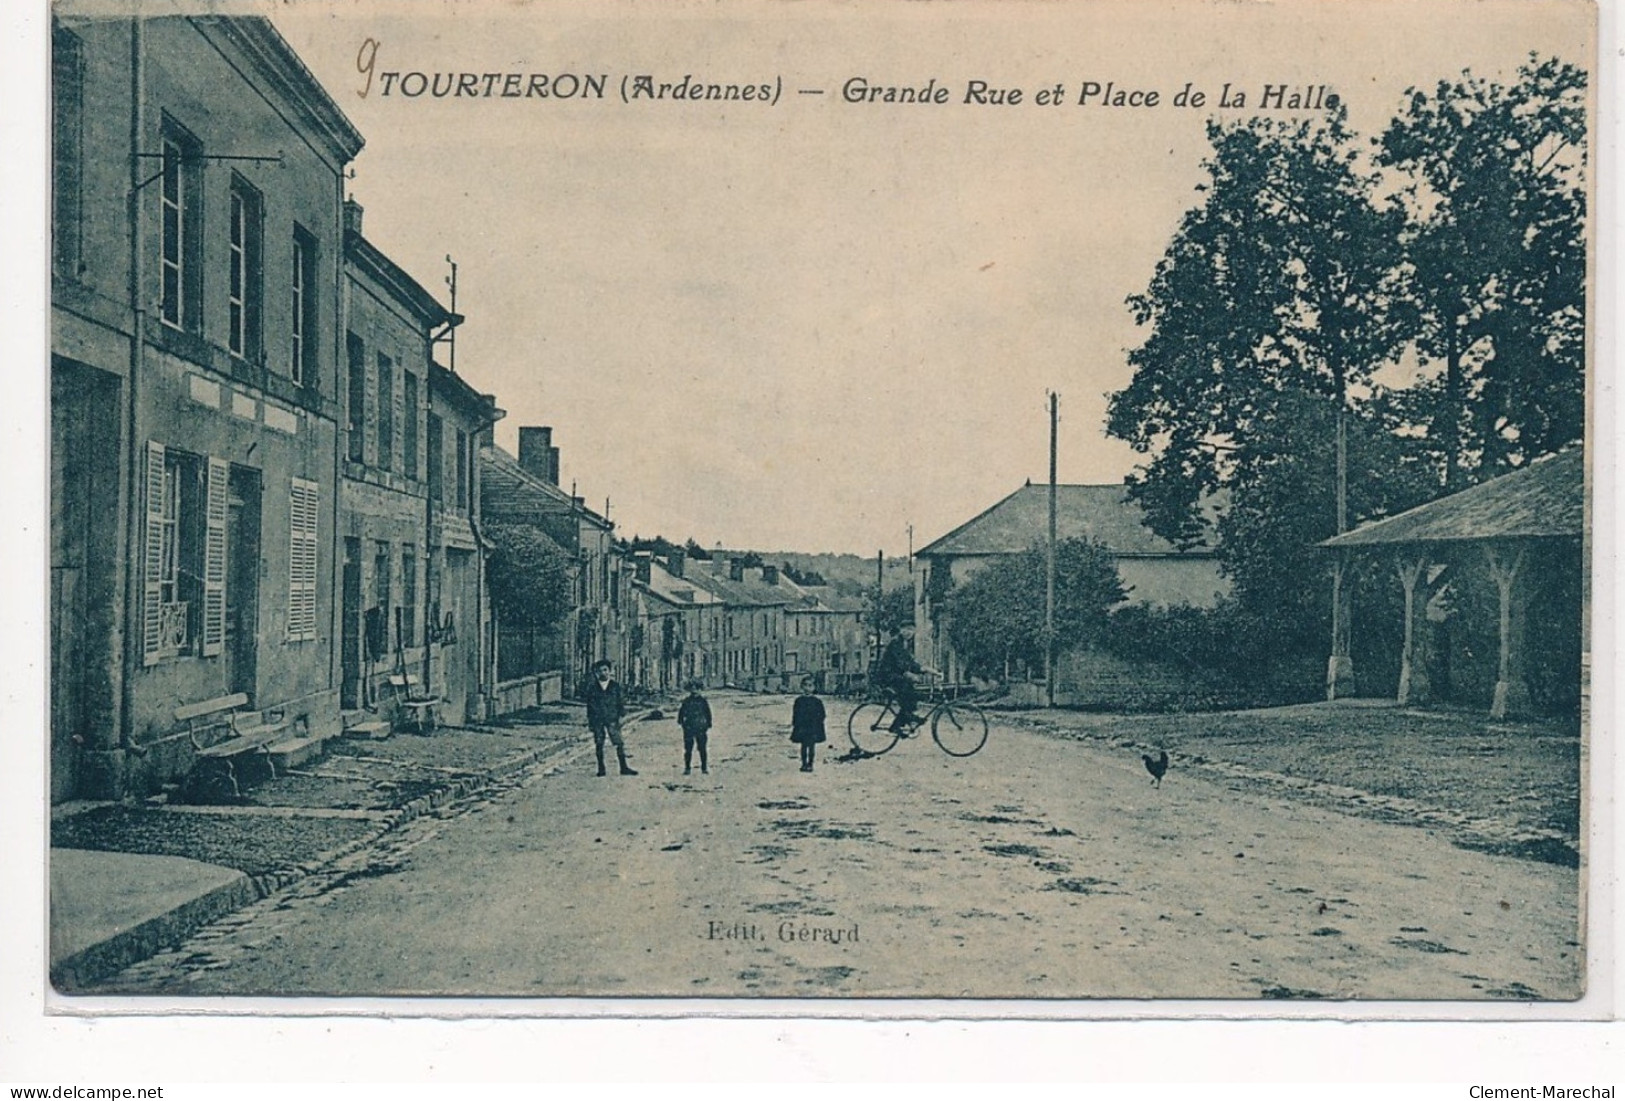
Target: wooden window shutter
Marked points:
153	553
214	558
304	499
312	494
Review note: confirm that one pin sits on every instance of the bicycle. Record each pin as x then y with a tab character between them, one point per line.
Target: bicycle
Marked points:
957	726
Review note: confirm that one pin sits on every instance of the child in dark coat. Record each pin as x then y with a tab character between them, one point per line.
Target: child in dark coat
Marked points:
807	723
694	716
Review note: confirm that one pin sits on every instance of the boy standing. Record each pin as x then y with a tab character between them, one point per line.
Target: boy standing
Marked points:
694	716
807	723
605	706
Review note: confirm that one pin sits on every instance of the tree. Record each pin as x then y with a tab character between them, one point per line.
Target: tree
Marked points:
530	576
1274	288
1491	181
996	618
896	610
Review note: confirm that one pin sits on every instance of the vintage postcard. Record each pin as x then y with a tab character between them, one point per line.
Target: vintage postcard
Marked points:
786	507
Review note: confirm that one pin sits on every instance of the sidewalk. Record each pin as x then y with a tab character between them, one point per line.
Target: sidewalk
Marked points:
128	880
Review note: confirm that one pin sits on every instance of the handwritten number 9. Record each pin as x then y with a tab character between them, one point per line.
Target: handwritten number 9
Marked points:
365	59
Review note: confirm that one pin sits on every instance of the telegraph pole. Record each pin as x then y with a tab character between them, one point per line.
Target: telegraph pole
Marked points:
880	596
1049	559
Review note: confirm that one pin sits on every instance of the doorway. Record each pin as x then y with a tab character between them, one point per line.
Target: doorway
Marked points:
350	631
242	579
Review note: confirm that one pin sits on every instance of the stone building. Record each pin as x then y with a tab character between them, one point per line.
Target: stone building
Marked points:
824	635
409	493
459	622
196	347
1153	570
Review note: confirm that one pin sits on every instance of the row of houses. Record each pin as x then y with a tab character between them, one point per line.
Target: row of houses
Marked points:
268	496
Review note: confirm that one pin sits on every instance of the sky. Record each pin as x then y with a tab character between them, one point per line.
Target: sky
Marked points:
811	324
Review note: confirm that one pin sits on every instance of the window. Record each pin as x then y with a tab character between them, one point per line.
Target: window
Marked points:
184	573
244	287
436	458
386	412
356	352
303	511
68	148
462	469
409	426
409	597
302	368
180	198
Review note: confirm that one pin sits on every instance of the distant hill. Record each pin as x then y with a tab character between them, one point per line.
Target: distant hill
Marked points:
846	573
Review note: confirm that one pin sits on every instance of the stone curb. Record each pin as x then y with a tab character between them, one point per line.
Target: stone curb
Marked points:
109	957
104	959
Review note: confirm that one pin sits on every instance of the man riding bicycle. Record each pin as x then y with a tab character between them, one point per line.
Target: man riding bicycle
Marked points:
894	673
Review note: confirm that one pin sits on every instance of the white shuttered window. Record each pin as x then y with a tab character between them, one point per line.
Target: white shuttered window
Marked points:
304	501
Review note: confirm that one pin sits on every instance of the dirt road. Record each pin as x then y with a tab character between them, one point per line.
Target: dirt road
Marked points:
1035	869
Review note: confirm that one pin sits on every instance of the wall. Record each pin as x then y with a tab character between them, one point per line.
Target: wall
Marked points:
1095	681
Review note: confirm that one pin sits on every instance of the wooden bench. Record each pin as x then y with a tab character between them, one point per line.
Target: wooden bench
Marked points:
214	774
419	707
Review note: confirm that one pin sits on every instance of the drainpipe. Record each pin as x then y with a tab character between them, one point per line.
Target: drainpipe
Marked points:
488	672
133	641
335	573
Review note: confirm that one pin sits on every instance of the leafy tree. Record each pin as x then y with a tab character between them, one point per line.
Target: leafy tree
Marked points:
530	576
1274	288
1302	271
804	577
996	617
1492	186
896	610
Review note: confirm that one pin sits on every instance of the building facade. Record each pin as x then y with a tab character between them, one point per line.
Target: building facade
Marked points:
196	336
459	624
1153	570
409	496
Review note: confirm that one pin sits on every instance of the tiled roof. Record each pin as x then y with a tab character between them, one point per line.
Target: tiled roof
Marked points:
1103	513
1543	500
507	489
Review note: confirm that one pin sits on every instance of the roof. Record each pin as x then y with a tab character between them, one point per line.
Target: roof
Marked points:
1544	500
749	592
444	383
282	70
508	489
1103	513
369	258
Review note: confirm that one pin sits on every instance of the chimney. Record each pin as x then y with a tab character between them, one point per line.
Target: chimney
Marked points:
736	569
770	574
537	455
643	564
675	561
352	217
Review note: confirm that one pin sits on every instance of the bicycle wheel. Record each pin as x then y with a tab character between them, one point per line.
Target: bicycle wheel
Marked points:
869	727
960	729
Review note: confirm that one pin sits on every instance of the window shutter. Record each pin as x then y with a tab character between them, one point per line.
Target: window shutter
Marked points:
214	558
312	493
304	499
152	566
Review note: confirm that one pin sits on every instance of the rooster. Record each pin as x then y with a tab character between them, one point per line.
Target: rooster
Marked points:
1156	766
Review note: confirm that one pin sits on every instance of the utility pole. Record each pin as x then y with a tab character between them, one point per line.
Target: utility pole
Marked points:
1049	559
880	596
451	336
